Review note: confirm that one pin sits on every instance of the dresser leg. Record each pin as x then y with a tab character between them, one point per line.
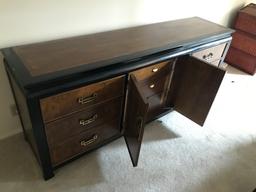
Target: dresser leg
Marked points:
48	174
42	150
25	137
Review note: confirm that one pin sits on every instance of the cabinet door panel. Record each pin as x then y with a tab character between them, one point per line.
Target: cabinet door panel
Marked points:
137	108
194	87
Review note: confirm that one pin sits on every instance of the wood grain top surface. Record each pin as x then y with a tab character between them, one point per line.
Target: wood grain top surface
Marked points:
90	50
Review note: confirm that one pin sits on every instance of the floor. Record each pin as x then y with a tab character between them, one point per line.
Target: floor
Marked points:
177	155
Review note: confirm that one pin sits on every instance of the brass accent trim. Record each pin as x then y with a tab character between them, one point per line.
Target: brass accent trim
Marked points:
208	56
151	86
84	100
85	122
154	70
85	143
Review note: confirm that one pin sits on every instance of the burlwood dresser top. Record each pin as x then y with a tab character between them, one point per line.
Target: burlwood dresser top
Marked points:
59	58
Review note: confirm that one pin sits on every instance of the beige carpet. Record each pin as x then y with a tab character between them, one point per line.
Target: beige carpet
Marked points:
177	155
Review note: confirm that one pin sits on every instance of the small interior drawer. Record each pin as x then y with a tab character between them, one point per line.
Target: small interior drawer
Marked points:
56	106
211	54
84	142
153	70
62	129
154	85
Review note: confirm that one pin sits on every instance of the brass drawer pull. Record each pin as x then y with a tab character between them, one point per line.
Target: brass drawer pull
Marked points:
85	122
151	86
84	100
154	70
90	141
209	56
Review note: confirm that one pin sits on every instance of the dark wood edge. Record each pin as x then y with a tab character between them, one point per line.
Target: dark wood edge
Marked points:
15	100
16	68
130	154
122	127
225	52
40	137
18	109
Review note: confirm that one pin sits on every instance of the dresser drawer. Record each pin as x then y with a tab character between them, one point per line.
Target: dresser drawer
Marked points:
62	129
84	142
68	102
153	70
211	54
154	85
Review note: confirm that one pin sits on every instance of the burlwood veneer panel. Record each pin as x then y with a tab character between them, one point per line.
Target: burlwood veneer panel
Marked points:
95	136
62	129
65	103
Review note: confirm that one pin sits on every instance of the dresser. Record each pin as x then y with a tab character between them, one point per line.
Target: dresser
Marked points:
242	52
77	94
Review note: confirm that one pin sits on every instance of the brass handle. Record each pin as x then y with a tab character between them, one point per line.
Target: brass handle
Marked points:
140	127
85	122
90	141
154	70
151	86
209	56
84	100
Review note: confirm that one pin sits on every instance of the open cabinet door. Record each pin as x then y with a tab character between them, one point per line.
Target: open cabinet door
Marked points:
136	111
194	87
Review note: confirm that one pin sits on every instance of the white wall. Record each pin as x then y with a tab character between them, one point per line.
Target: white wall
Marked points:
27	21
250	1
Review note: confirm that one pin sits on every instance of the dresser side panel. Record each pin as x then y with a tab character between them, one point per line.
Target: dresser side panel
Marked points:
22	107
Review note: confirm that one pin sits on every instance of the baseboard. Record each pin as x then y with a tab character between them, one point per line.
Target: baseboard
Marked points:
10	133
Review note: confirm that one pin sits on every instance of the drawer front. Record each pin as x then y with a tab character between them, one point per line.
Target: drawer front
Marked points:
211	54
84	142
154	85
153	70
68	102
62	129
